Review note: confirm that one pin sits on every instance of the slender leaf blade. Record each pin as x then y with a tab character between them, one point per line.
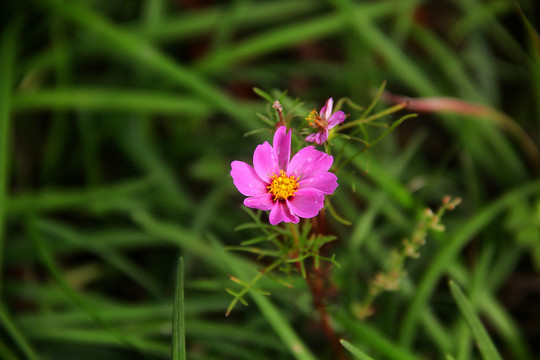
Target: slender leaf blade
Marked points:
179	330
485	345
358	354
7	49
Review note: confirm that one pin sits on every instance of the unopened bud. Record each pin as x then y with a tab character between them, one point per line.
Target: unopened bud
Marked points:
279	109
452	205
277	106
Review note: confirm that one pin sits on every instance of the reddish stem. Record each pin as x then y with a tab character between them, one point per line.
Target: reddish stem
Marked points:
279	110
315	282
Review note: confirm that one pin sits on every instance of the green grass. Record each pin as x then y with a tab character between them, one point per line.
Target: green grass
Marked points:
179	324
118	124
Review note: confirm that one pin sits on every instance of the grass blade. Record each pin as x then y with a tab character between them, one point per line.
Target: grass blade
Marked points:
388	348
7	49
97	338
535	56
200	22
486	346
129	46
56	273
58	200
16	334
283	37
271	41
117	259
178	330
139	102
358	354
6	352
363	26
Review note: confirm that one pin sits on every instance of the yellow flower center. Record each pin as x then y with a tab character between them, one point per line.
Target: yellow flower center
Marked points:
283	186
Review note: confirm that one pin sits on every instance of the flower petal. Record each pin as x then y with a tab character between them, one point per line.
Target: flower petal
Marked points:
309	162
246	179
337	118
319	137
322	136
306	203
261	202
312	137
280	212
326	183
326	110
265	161
282	146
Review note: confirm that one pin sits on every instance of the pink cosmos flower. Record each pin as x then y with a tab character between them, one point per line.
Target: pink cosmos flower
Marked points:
324	122
289	188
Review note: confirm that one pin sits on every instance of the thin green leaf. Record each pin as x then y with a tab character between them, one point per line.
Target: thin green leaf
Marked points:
486	346
358	354
84	242
336	216
262	130
8	45
250	226
103	99
62	199
57	274
283	37
131	47
374	338
16	334
392	127
535	61
375	100
6	353
199	22
95	338
178	328
512	334
254	240
254	250
237	297
279	280
264	95
348	101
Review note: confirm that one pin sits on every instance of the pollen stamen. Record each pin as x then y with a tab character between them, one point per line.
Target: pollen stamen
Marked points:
283	186
316	121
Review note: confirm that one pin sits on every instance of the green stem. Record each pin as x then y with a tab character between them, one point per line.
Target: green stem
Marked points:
376	116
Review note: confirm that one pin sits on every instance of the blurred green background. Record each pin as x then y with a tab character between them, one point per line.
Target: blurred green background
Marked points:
118	123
